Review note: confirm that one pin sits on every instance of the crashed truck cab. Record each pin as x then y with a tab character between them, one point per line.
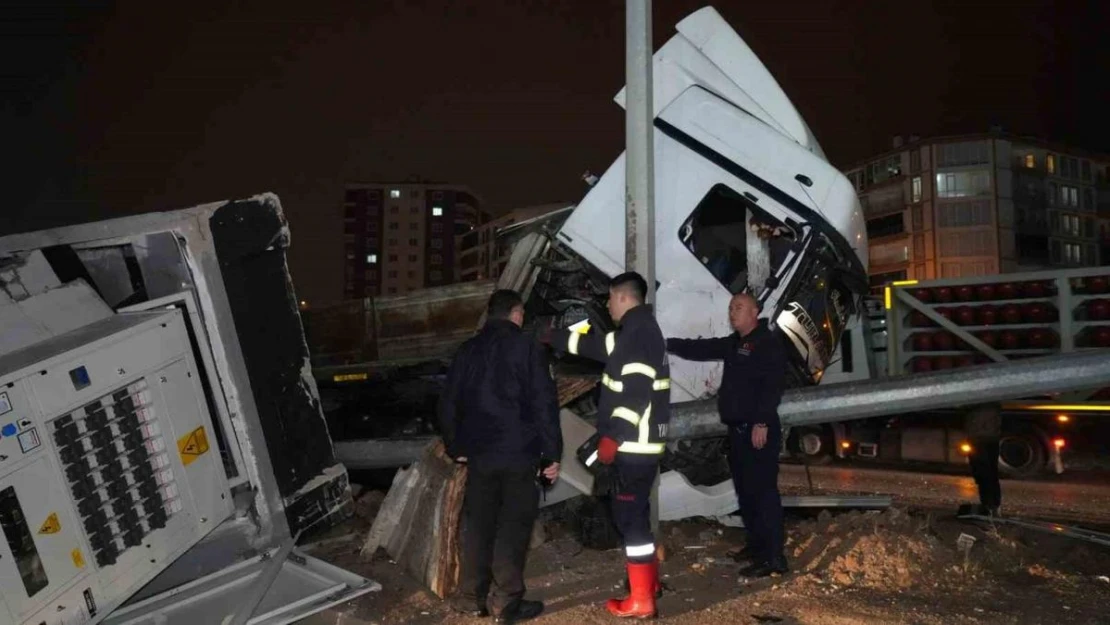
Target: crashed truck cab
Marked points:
744	201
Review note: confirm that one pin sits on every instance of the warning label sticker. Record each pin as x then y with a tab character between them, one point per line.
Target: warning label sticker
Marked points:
51	525
78	558
192	445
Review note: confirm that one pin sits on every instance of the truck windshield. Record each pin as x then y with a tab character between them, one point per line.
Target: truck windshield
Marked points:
737	242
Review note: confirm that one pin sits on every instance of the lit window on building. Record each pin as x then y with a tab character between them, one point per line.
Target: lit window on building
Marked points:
437	211
371	259
1030	161
917	189
394	193
1050	163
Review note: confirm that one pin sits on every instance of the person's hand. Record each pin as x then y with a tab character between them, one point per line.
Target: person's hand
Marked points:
607	450
552	472
759	436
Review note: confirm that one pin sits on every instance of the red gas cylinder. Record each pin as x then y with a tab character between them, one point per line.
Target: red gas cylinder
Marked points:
1009	340
965	361
1033	312
923	342
919	320
987	336
943	362
1034	289
1101	336
1011	313
988	315
924	296
965	316
965	293
943	294
1006	290
1098	309
985	292
921	365
943	341
946	312
1039	338
1097	284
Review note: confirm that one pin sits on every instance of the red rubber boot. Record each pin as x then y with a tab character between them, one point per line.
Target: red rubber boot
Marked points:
640	602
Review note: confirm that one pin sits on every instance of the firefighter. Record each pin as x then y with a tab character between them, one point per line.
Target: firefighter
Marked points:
633	413
983	424
751	389
499	414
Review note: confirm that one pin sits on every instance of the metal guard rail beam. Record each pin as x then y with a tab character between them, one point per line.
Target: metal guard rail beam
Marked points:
912	393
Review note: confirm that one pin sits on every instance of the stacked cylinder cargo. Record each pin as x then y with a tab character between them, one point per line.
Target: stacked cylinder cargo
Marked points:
923	326
744	201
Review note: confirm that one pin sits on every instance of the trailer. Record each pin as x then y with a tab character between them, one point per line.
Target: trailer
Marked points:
942	325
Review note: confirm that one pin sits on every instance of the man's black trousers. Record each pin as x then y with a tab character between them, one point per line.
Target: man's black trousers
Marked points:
499	509
755	476
984	468
631	502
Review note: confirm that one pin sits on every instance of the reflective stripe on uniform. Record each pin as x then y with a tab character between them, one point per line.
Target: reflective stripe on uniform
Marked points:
614	385
627	414
638	367
639	551
572	343
641	448
661	385
610	342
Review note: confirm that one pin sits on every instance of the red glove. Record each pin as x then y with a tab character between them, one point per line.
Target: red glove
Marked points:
607	450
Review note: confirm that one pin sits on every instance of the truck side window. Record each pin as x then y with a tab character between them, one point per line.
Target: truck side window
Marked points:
721	233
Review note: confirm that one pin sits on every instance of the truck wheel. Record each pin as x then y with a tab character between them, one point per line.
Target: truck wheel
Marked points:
812	445
1021	454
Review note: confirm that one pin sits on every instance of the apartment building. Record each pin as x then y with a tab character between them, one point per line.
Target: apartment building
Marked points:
981	204
402	236
482	256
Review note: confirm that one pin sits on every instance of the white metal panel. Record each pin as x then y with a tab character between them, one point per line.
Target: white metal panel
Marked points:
304	586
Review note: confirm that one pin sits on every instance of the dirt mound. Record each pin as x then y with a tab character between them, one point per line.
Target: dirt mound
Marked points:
888	549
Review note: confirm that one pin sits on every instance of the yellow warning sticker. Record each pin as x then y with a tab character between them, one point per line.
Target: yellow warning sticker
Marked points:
78	558
51	525
192	445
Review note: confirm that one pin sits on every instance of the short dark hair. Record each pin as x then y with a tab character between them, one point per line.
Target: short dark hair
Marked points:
502	303
631	283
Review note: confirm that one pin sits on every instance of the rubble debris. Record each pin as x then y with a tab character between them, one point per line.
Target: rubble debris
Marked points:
418	524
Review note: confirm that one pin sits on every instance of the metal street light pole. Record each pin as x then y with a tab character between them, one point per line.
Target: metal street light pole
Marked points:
639	251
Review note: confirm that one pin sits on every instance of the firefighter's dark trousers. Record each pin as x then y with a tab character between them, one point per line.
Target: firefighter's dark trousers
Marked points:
755	476
632	505
499	509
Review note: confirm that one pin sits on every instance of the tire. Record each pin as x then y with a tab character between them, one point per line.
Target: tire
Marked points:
1021	453
812	445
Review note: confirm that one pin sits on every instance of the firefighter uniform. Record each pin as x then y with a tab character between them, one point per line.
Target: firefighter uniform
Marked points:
634	411
751	389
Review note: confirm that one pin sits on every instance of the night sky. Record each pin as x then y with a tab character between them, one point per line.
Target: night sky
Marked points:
112	109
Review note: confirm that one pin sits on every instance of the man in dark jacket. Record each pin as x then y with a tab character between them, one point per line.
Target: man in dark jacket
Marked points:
633	414
499	414
748	400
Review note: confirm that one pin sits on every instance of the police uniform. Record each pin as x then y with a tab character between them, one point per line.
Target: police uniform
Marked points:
634	411
983	424
751	389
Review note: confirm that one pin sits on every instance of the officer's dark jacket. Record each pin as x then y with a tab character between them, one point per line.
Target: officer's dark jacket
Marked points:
635	404
754	376
499	402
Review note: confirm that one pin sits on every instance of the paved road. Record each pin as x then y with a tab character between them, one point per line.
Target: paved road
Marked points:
1083	502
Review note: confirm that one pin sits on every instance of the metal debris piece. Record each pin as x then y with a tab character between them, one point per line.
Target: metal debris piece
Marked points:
1070	531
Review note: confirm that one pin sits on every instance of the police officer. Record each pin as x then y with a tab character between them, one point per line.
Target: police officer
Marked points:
751	389
499	414
633	413
983	423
